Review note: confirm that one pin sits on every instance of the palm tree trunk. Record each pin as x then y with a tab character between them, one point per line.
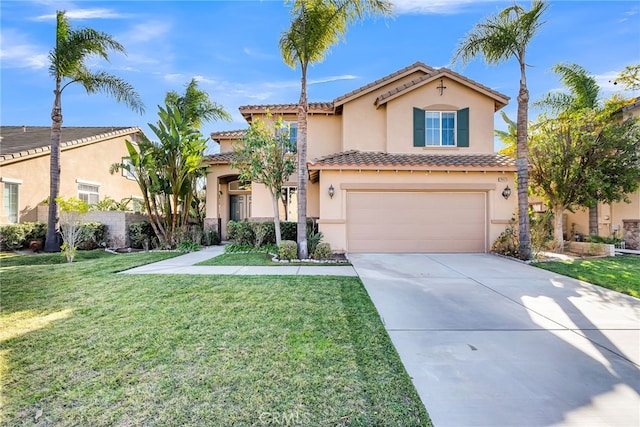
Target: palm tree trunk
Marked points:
522	164
593	220
302	167
51	243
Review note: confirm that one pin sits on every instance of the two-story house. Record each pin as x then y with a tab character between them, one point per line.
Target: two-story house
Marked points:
403	164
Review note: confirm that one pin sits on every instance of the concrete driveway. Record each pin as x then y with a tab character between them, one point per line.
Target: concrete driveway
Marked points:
494	342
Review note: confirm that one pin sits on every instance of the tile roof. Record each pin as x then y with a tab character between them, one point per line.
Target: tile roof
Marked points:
365	159
220	158
21	141
227	135
406	70
314	107
441	72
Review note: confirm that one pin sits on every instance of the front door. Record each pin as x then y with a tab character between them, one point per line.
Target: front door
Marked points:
240	205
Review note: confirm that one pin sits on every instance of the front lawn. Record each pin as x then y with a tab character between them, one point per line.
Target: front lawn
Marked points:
82	345
621	273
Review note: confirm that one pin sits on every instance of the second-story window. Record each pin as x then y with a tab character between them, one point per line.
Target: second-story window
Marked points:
440	128
291	133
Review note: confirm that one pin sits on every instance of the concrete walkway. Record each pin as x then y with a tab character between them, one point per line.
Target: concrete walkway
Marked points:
493	342
184	264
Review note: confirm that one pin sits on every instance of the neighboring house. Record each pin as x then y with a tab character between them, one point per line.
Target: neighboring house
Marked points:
611	217
403	164
86	155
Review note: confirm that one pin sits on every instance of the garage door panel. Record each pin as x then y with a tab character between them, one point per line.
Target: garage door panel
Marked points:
416	222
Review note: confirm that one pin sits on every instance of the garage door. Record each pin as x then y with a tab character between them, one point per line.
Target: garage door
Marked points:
416	222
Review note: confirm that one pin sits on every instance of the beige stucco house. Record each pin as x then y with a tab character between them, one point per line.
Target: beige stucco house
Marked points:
403	164
611	217
86	155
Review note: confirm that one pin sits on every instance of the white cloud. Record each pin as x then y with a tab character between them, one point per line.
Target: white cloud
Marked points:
605	81
17	52
203	79
173	77
257	55
331	79
432	7
146	31
80	14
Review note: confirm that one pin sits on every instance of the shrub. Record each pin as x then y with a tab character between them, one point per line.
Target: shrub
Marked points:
289	230
313	239
12	236
211	237
322	251
35	231
236	248
188	246
288	250
92	235
541	226
261	232
141	234
507	243
241	232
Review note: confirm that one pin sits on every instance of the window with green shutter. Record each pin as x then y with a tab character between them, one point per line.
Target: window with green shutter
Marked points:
440	128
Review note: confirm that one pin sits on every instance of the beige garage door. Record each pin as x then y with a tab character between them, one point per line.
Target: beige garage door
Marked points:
416	222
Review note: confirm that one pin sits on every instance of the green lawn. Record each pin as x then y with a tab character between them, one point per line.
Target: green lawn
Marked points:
621	274
261	259
82	345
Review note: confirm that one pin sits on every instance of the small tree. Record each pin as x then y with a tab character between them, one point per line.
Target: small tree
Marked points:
581	157
70	225
629	77
263	156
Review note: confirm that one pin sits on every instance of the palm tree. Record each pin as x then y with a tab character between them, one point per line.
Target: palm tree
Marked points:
67	66
583	93
316	25
499	38
196	106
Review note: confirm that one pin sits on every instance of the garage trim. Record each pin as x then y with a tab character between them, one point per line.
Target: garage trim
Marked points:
417	187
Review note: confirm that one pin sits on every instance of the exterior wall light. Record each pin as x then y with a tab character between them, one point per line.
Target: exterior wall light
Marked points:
506	192
332	191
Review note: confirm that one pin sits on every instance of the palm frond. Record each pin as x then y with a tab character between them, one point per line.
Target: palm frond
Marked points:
112	85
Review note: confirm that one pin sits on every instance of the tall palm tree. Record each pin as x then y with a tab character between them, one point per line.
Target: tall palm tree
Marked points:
499	38
316	25
67	66
584	93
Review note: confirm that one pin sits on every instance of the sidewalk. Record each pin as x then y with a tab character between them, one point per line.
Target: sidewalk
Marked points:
184	264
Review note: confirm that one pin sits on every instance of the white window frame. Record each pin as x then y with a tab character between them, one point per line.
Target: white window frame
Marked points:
428	140
293	142
286	190
12	218
125	173
88	193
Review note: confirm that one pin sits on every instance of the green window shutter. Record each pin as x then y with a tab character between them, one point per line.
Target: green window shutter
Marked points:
418	128
463	127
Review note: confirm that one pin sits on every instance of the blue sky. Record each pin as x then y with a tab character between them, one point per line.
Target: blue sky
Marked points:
231	47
